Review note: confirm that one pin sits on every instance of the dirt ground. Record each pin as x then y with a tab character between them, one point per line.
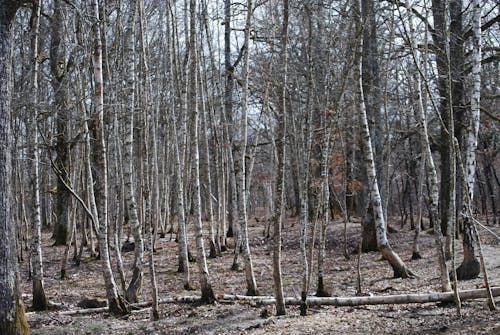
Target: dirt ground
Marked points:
86	281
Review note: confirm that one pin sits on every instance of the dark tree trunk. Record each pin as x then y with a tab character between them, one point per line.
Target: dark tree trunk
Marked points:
12	316
369	236
59	82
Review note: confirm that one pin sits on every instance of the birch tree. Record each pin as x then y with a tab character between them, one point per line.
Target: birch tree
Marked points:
135	284
242	171
99	183
40	301
399	267
470	268
207	294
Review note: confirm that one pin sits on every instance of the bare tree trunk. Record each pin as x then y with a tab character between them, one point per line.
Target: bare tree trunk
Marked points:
59	70
40	301
242	171
214	250
134	287
207	294
429	161
399	267
228	115
280	173
373	103
12	316
179	147
99	190
151	175
470	267
321	290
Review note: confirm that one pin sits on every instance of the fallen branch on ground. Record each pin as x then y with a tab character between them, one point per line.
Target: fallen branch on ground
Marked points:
389	299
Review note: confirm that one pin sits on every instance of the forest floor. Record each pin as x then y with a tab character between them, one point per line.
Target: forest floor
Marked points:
86	281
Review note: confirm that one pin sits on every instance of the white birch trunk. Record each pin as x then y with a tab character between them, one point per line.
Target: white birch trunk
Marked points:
242	173
99	190
151	175
214	251
134	287
397	264
39	299
470	267
207	293
179	145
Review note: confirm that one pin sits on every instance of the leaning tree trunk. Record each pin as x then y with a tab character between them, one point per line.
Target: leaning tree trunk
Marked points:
399	267
12	316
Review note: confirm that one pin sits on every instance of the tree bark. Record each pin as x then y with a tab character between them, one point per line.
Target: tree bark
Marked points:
373	103
12	315
134	287
278	214
399	267
420	116
242	171
40	301
207	294
470	268
99	189
388	299
59	70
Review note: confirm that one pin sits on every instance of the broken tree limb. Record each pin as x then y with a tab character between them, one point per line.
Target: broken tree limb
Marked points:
182	299
327	301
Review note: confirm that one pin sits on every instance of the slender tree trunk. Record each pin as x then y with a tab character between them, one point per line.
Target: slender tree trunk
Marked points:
40	301
99	191
135	284
214	250
228	115
242	171
321	291
279	195
207	294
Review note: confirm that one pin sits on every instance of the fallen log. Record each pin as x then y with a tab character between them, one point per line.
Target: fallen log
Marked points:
314	301
389	299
